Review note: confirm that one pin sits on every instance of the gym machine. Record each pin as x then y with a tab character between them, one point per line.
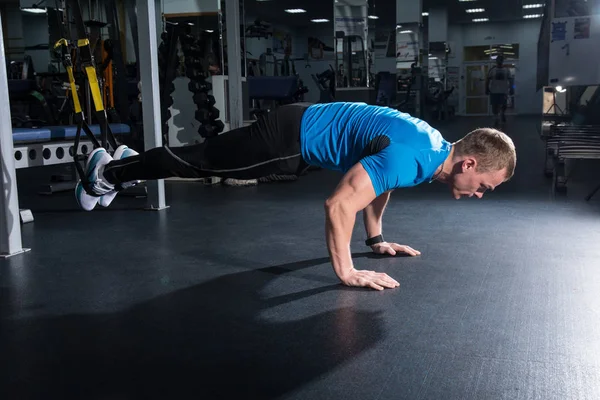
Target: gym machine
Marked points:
353	80
570	126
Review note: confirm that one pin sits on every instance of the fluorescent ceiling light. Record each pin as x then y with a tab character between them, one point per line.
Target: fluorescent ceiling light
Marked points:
209	30
464	1
480	20
373	17
398	26
295	10
425	14
319	20
34	10
406	31
475	10
529	16
532	5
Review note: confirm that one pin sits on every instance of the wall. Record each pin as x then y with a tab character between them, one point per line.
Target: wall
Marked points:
525	32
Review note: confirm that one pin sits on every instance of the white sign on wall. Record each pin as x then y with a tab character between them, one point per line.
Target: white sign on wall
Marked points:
574	55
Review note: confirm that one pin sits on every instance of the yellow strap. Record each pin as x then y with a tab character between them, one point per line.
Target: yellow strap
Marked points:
82	42
93	80
76	103
61	42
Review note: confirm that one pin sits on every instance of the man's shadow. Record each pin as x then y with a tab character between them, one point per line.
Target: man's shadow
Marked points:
207	341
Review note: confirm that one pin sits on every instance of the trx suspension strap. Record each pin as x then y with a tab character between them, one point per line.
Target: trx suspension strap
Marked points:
78	159
86	60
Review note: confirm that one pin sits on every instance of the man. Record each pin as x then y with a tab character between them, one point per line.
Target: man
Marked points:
498	85
379	149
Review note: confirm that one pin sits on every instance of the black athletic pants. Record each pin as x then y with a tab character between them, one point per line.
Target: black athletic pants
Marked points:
269	146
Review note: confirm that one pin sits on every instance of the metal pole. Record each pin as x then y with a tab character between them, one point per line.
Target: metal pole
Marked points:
148	50
232	23
10	219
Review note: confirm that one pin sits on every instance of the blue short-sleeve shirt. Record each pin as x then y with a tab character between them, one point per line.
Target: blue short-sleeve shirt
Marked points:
396	149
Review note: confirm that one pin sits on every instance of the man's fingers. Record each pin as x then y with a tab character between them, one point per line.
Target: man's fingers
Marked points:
405	249
390	250
386	278
375	286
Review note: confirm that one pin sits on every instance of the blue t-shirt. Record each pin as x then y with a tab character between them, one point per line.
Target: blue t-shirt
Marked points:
395	149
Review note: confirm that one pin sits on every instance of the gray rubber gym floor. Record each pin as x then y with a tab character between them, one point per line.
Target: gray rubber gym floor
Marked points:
229	295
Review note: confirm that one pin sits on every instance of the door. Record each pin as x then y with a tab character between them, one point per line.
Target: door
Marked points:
477	102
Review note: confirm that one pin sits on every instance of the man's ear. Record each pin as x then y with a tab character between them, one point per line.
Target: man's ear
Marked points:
469	163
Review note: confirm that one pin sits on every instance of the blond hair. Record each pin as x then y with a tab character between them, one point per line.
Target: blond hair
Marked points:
492	149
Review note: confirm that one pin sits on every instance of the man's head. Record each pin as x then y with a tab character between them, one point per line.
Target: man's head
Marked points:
482	160
500	60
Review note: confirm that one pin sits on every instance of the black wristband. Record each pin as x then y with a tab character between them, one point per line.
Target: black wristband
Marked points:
374	240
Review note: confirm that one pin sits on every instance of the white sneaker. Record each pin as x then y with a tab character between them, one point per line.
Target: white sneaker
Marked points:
93	172
121	152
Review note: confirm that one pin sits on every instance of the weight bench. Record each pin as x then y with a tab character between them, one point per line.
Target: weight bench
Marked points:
278	90
52	145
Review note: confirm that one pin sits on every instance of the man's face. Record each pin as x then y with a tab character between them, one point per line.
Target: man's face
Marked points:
467	182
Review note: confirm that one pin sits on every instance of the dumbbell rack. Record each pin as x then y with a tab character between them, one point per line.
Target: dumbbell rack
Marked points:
196	69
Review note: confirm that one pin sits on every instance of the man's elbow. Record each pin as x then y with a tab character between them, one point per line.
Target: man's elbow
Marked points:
335	206
332	204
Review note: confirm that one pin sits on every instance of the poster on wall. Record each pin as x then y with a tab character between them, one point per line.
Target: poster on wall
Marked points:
573	39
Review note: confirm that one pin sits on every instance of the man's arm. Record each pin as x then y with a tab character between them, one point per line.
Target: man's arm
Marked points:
373	213
487	81
354	193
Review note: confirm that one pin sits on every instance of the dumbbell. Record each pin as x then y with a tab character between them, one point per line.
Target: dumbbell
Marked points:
199	86
204	100
209	130
205	115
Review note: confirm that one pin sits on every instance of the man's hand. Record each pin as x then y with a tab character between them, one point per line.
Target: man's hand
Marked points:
371	279
393	249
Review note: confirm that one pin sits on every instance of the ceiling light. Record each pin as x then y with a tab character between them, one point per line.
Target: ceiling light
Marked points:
373	17
209	30
406	31
475	10
319	20
464	1
480	19
295	11
532	5
425	14
34	10
398	26
529	16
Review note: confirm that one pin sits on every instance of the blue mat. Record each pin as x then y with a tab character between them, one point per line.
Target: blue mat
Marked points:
48	133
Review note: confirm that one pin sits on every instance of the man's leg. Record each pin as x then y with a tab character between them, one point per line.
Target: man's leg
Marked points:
495	108
503	108
269	146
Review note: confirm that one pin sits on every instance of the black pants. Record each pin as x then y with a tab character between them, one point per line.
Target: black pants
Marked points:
270	146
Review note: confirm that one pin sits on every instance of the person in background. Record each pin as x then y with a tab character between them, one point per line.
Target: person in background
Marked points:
499	85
